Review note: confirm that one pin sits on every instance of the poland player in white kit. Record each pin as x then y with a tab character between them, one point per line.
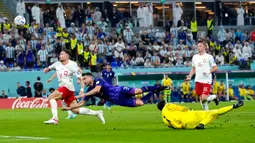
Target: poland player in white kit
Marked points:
203	65
65	70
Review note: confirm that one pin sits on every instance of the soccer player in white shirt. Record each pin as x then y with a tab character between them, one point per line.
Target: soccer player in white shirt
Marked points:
66	69
203	65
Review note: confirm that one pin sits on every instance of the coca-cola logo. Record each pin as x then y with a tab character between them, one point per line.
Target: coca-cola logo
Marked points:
30	103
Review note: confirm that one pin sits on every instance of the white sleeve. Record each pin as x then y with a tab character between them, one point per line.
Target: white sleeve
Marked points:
76	71
212	61
193	61
53	66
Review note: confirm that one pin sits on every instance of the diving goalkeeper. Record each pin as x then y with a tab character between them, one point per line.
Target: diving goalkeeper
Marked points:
180	117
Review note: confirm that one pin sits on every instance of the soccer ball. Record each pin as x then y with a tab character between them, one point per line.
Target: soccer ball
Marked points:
20	20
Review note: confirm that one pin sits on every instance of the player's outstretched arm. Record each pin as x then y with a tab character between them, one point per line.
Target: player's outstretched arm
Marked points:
53	76
192	72
82	86
79	104
94	91
51	67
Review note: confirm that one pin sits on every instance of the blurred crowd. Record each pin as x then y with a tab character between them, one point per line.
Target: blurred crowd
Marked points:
87	34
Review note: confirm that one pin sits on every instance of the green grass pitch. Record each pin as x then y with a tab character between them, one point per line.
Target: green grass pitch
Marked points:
125	125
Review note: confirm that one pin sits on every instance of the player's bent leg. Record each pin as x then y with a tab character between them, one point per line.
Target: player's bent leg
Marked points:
71	115
56	95
150	88
86	111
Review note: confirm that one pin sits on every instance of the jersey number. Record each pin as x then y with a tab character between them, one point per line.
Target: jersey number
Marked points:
205	89
63	74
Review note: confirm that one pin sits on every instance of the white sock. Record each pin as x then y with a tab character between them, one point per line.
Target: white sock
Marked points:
70	113
211	97
86	111
206	106
54	108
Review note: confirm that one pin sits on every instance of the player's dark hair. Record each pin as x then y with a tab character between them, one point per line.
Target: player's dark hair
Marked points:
161	104
87	74
67	52
51	89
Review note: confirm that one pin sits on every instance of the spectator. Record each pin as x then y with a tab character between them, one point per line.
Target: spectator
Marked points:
128	34
189	42
3	95
60	16
244	94
237	50
29	57
252	36
179	62
187	63
10	53
220	59
93	63
44	93
119	47
42	57
185	92
231	93
139	60
53	59
155	59
247	53
251	92
2	51
36	13
238	35
210	24
2	66
78	16
21	90
101	49
222	36
28	90
38	86
229	45
93	46
221	90
15	67
97	16
147	63
246	36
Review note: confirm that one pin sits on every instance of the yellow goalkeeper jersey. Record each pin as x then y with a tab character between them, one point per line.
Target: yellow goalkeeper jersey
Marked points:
180	117
167	82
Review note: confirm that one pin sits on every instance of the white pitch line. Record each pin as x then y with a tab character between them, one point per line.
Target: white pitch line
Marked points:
25	137
13	140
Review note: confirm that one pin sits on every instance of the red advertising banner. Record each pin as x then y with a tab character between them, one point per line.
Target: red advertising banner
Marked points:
22	103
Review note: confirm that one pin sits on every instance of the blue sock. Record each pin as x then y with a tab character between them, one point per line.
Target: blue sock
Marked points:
108	104
149	88
147	97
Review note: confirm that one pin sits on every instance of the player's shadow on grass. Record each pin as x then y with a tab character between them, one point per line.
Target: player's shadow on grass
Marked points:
163	129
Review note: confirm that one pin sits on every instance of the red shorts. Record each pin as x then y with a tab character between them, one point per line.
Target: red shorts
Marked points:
67	95
203	88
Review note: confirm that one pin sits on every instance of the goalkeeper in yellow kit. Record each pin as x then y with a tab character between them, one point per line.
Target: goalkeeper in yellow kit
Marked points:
180	117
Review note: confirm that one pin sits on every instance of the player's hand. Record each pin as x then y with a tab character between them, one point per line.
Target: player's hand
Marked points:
45	70
206	73
81	92
66	109
49	80
188	77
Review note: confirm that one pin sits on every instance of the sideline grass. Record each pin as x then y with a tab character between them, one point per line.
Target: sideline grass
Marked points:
125	125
